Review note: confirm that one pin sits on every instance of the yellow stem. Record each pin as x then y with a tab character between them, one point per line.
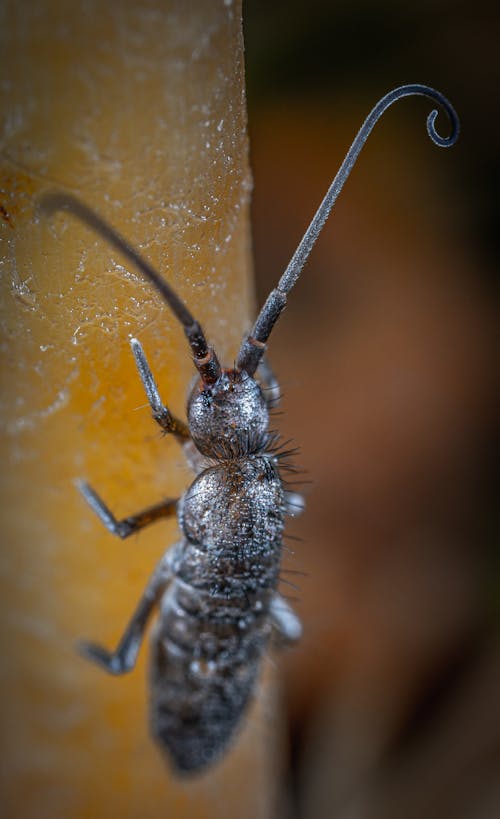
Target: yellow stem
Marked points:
138	108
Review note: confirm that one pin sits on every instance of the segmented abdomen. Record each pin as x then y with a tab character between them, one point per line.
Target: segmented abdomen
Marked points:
214	623
205	660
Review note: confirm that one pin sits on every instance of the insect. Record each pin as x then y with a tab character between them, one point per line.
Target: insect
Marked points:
216	588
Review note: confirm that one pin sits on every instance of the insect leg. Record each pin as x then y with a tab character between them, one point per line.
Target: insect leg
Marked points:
285	622
127	526
161	414
270	384
294	504
124	657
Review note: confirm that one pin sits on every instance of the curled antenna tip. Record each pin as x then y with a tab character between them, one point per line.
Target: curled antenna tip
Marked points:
444	142
419	89
437	96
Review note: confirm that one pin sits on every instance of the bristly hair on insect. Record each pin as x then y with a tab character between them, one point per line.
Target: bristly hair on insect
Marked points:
216	588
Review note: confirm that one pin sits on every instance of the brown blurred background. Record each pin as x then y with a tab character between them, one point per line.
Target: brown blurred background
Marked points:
386	356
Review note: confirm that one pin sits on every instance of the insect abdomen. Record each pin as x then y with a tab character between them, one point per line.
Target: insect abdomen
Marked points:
205	659
214	622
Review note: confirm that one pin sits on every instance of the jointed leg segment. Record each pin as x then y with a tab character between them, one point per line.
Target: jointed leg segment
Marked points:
124	657
269	384
127	526
161	413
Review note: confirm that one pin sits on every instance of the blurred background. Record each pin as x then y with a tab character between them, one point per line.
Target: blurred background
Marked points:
386	357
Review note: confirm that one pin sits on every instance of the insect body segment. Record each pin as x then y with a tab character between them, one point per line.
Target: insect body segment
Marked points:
216	588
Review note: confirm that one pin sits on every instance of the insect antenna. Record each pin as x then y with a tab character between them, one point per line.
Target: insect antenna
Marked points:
254	345
204	356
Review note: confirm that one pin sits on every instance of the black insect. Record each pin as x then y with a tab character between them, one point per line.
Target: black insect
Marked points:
216	588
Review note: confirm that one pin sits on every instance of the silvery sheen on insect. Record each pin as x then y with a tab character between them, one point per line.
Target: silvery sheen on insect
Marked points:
215	590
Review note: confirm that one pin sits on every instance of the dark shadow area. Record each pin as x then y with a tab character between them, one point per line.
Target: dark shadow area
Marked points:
387	359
